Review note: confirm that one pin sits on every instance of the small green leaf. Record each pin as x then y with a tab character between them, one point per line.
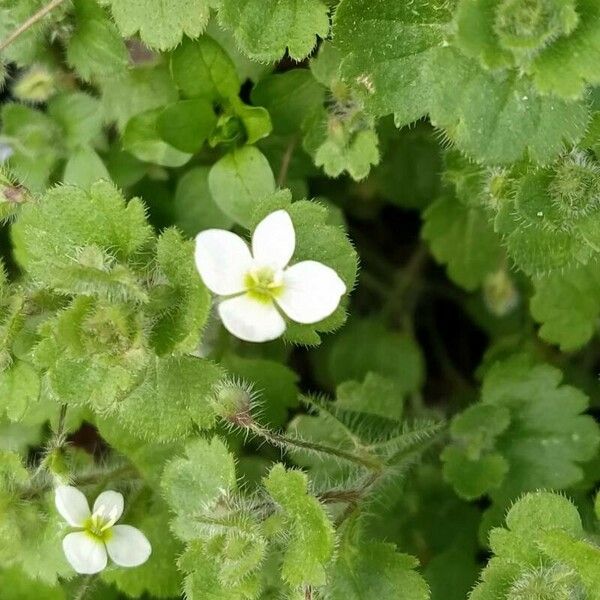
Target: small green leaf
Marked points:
193	206
95	49
264	30
186	124
462	237
567	304
192	484
239	181
311	536
161	23
142	138
202	69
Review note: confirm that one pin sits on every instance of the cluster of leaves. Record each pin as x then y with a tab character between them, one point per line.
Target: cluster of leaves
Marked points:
331	464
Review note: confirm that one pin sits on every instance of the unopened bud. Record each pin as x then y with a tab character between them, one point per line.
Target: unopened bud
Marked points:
500	293
34	85
233	400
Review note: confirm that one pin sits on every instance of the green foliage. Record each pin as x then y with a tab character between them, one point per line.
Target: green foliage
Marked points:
526	421
161	23
451	147
265	30
310	531
541	554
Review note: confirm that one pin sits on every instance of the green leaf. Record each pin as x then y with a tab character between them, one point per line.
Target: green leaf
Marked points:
352	152
386	45
528	421
264	30
158	576
161	23
84	167
540	554
193	206
550	218
202	562
179	302
289	97
499	118
186	124
388	353
202	69
365	569
172	400
16	586
567	304
79	116
375	395
194	483
142	137
95	49
51	234
311	536
136	91
461	236
19	389
565	54
239	181
36	151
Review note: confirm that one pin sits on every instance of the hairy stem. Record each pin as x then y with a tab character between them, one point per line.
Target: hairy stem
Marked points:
35	18
283	441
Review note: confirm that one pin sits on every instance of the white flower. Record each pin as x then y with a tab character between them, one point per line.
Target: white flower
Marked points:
259	285
87	549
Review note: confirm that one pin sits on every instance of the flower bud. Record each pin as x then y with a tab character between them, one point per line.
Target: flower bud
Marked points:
500	293
233	400
34	85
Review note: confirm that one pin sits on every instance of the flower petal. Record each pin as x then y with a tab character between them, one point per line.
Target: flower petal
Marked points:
111	504
250	319
274	240
72	505
128	546
311	291
86	554
222	259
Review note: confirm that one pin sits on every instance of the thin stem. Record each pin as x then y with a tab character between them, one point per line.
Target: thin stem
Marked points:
60	428
308	595
406	278
283	441
38	16
285	162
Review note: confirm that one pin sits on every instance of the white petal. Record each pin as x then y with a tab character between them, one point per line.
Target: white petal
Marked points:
222	259
72	505
86	554
311	291
251	320
128	546
111	505
274	240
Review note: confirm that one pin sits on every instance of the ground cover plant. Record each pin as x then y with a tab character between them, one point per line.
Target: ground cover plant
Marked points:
299	299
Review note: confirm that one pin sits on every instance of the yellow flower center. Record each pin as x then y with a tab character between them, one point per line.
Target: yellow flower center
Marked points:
99	525
263	283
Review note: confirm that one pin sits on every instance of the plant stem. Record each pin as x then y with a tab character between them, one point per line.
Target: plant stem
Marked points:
285	162
406	279
60	428
38	16
284	441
